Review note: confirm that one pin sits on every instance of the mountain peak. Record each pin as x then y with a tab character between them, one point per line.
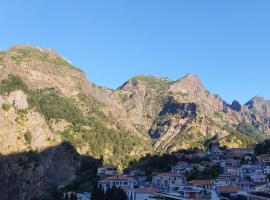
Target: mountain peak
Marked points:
259	104
191	79
236	106
189	84
26	49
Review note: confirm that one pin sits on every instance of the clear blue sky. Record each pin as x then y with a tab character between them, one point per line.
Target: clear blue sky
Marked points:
226	42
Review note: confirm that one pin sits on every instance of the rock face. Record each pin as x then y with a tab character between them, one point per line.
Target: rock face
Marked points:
46	101
259	105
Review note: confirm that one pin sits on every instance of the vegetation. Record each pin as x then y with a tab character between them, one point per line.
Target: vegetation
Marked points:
153	164
101	139
210	172
6	106
13	82
151	81
251	131
42	56
86	179
263	148
236	137
111	194
51	104
28	137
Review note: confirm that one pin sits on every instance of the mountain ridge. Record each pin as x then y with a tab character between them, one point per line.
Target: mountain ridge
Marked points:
45	101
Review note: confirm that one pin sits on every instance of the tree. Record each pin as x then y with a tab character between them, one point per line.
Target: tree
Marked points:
98	194
121	195
66	197
73	196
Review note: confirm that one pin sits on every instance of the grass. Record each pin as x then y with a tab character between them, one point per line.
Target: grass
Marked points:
42	56
151	81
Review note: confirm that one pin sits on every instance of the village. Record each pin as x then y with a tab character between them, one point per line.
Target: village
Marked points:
240	174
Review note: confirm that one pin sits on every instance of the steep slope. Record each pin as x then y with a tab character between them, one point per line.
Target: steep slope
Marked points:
46	102
184	114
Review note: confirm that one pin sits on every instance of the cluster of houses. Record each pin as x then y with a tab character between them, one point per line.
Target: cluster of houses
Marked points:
243	176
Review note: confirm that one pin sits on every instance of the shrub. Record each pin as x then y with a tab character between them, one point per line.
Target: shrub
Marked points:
28	137
6	106
52	104
13	82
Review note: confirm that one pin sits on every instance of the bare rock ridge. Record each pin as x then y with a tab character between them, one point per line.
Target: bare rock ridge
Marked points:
45	101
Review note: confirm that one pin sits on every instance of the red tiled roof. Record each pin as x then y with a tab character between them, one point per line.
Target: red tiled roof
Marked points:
170	174
200	182
145	190
118	177
264	157
228	190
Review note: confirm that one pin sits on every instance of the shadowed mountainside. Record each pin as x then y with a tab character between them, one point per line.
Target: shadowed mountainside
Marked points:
28	175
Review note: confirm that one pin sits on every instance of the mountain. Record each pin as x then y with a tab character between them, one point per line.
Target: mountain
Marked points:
45	102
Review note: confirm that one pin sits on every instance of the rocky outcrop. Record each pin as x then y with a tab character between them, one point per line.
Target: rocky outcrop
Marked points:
117	125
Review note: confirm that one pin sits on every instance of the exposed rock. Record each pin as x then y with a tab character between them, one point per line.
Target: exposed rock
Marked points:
171	114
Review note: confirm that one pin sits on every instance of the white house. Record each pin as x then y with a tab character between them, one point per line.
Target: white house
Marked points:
168	180
181	167
108	170
127	183
258	177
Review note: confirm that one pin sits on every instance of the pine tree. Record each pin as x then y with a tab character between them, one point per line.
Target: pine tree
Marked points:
73	196
66	197
98	194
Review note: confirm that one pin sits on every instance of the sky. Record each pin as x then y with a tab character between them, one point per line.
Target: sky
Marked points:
225	42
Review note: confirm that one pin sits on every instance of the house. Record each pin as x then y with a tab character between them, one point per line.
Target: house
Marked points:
127	183
181	167
144	193
266	169
222	182
264	158
248	158
198	166
83	196
215	150
108	170
184	192
225	180
138	175
258	177
205	184
229	163
241	151
251	168
263	188
168	180
228	192
243	185
234	171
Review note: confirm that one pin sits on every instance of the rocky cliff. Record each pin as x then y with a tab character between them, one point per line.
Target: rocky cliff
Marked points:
45	101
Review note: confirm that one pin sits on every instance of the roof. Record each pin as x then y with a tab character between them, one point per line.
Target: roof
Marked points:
264	157
118	177
228	190
200	182
170	174
242	183
241	149
182	163
145	190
